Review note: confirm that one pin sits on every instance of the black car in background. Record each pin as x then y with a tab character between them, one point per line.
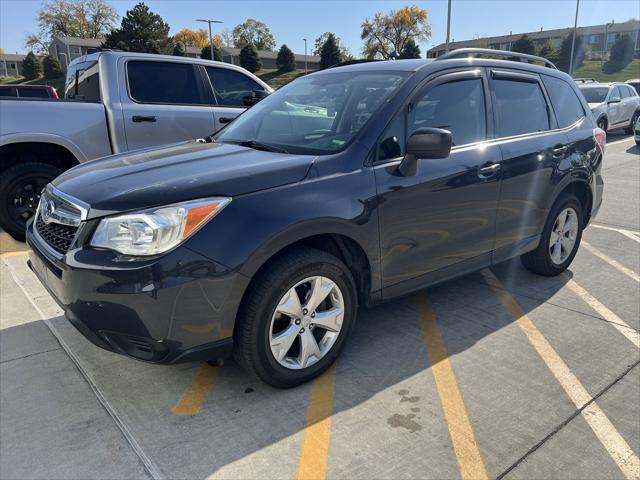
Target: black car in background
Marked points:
347	187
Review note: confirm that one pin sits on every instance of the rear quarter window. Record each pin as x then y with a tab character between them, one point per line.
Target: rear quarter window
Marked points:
566	104
83	82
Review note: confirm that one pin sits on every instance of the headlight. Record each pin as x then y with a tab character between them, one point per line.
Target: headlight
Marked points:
157	230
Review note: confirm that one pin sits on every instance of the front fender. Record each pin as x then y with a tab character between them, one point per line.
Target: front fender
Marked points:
255	227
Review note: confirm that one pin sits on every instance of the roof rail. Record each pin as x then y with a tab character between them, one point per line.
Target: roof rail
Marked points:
354	62
469	52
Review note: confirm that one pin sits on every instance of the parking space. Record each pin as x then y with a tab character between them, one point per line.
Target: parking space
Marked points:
499	374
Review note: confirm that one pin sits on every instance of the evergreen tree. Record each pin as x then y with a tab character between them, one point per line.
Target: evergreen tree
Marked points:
564	56
52	68
621	54
286	61
178	50
249	58
524	45
206	53
31	67
330	52
141	31
548	52
410	50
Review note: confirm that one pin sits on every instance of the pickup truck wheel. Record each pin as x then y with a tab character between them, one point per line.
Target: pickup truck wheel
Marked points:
560	239
20	187
296	318
632	125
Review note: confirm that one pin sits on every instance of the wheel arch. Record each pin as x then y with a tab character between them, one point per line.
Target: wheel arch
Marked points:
582	191
50	149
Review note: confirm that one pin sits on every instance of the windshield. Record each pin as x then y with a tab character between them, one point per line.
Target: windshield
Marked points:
595	94
319	114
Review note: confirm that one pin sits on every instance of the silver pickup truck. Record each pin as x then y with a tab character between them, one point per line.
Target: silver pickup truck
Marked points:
113	102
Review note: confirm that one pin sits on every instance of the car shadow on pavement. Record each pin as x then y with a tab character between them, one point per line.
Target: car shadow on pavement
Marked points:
383	371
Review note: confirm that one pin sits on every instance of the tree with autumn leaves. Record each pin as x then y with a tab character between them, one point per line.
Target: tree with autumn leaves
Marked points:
385	34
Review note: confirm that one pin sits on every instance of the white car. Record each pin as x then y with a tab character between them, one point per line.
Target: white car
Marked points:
614	105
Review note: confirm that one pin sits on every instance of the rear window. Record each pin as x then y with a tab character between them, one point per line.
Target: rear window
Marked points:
565	102
520	107
163	82
594	94
6	92
83	82
33	92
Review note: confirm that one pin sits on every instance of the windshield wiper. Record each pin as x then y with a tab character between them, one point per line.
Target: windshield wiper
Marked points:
260	146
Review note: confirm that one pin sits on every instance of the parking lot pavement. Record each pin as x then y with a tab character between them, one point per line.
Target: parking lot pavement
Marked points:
499	374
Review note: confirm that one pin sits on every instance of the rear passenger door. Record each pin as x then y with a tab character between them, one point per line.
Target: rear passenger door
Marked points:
232	91
615	110
164	102
532	149
629	102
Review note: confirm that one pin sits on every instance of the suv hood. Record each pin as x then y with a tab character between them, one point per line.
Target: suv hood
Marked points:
179	172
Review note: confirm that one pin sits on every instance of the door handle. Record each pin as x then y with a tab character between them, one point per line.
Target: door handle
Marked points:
559	150
143	118
225	119
488	171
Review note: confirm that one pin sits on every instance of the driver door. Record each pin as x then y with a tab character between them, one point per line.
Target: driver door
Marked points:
440	220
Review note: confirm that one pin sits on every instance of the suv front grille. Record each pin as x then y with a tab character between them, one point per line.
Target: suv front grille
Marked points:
58	236
58	219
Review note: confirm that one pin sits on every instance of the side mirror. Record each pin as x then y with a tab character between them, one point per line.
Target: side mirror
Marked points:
614	100
425	143
254	98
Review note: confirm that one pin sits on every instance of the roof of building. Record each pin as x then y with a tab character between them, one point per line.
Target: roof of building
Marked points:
11	57
81	42
544	34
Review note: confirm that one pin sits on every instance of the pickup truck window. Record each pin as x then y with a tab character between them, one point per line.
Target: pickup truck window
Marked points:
163	83
6	92
83	82
33	92
231	87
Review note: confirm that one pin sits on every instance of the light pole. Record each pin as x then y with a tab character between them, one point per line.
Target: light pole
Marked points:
209	22
305	55
604	45
573	38
446	48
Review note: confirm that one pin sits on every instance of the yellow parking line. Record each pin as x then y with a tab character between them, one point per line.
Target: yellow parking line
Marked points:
460	429
616	322
627	271
193	397
15	254
612	441
315	444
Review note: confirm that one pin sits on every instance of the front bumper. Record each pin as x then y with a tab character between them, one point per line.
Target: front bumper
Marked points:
168	309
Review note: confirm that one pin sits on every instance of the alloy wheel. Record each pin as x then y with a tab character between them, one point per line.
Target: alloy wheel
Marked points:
306	322
563	236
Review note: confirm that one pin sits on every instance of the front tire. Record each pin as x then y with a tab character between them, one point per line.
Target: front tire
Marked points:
295	317
560	239
20	187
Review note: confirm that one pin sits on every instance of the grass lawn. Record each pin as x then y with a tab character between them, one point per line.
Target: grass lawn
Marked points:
276	79
591	69
57	83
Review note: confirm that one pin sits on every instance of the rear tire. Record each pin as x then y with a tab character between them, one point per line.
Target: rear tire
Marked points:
634	119
261	320
20	187
557	247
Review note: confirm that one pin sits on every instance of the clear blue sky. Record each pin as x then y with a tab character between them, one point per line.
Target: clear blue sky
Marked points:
292	20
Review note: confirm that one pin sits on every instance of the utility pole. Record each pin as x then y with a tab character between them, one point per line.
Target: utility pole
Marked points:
573	38
446	48
209	22
305	55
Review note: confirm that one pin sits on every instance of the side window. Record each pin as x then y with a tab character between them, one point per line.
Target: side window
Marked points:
6	92
626	92
457	106
231	87
163	82
615	92
393	140
565	102
520	107
32	92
